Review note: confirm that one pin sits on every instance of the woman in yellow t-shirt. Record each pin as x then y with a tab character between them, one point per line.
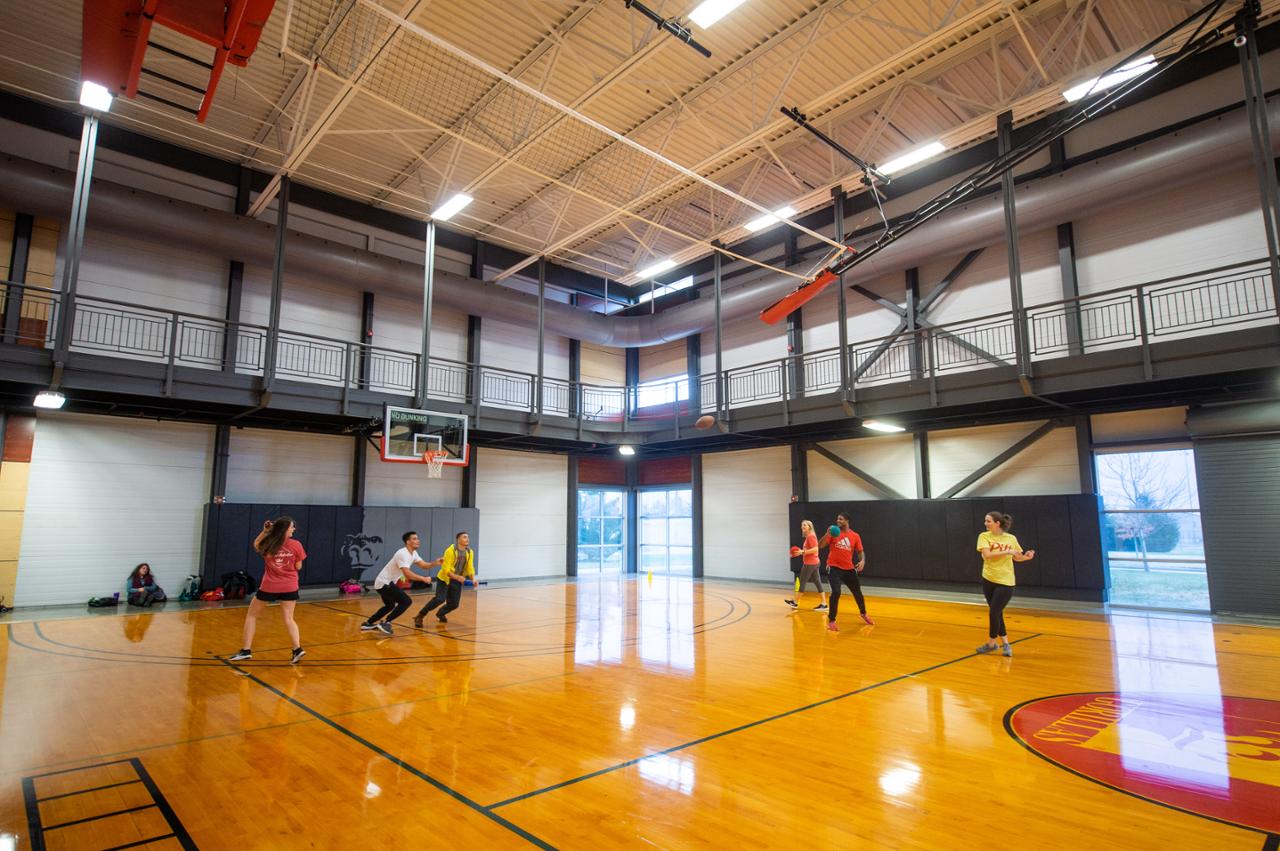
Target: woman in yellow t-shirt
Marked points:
999	550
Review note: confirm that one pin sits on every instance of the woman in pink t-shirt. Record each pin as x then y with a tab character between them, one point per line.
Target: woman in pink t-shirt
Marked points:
283	557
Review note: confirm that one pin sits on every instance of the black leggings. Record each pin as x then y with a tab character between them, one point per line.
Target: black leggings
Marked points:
450	594
395	602
998	596
850	578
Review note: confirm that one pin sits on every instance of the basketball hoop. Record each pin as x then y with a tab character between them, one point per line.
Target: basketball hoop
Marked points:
434	459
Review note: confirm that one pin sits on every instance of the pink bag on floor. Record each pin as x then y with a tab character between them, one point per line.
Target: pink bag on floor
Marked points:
350	586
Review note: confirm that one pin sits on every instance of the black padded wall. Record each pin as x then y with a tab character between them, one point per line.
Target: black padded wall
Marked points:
341	541
932	541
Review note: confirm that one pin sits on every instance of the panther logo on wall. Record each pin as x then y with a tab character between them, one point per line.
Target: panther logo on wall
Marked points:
360	550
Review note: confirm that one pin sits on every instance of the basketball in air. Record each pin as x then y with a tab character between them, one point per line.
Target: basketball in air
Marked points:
705	422
834	531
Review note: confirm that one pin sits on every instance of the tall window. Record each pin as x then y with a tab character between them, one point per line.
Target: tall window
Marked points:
1151	528
602	524
664	391
666	531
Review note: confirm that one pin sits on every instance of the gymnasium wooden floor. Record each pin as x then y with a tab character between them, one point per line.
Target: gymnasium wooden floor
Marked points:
612	713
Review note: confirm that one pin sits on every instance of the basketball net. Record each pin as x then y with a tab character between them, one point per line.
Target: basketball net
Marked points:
435	463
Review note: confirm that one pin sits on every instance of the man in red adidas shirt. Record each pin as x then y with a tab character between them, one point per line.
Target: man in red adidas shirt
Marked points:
845	560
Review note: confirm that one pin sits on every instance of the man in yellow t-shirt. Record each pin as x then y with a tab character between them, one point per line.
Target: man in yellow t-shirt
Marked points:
999	549
456	566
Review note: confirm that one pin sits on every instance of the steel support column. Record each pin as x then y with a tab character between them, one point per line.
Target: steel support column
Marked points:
474	324
915	352
22	227
542	323
75	241
842	313
359	469
1255	101
633	520
693	371
795	352
1004	142
277	287
366	340
695	484
800	471
571	515
428	285
235	294
468	499
1070	287
631	380
221	462
1084	455
722	401
920	439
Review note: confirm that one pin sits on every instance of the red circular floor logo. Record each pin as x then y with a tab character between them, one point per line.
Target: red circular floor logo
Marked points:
1213	756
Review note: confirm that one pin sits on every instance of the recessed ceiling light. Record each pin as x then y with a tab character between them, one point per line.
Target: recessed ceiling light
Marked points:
450	208
626	450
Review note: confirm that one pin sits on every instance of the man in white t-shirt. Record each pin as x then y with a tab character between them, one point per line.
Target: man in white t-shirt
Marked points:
395	602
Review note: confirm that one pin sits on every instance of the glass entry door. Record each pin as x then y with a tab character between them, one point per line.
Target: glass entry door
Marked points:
666	531
602	530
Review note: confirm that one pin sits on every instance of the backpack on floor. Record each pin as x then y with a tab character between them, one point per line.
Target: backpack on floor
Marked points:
103	602
190	589
351	586
212	595
237	585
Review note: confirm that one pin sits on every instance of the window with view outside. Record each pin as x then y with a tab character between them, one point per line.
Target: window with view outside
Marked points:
1151	528
663	391
602	526
666	531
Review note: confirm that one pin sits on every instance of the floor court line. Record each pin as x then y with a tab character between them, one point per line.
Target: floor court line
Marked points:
390	757
742	727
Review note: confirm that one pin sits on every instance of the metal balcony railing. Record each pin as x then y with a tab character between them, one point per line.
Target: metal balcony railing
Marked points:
1232	296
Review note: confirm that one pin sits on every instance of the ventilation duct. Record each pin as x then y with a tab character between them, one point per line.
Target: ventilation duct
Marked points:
1211	147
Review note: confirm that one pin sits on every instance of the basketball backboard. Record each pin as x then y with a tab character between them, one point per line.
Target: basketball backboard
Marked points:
409	432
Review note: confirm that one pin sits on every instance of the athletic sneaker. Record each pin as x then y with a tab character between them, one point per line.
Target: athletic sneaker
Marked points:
792	603
385	628
866	618
831	627
417	623
368	627
986	648
821	607
442	619
298	653
1007	649
242	656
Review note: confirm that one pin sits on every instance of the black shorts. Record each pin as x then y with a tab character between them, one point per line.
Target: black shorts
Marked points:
277	596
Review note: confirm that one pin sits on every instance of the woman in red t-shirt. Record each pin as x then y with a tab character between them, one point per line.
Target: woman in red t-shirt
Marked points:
841	552
809	571
283	557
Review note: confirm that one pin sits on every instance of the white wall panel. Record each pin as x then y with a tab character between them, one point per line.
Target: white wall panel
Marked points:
665	361
890	458
983	288
162	275
1048	466
744	513
603	365
397	324
522	497
106	493
515	347
1178	232
408	485
289	467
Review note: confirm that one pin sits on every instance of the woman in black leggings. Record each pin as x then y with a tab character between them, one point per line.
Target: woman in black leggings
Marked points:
999	549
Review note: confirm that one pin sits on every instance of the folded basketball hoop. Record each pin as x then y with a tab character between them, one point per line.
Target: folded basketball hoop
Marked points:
434	459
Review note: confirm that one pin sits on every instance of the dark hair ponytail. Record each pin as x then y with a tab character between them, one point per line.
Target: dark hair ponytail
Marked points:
274	538
1005	520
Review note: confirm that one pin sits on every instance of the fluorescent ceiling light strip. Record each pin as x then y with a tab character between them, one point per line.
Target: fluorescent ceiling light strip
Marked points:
888	428
710	11
657	268
452	207
1101	84
913	157
770	218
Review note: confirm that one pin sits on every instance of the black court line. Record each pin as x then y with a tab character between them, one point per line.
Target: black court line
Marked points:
36	828
395	760
742	727
1272	842
147	841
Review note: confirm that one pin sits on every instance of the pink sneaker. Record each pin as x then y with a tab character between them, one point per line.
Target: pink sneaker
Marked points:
831	627
866	618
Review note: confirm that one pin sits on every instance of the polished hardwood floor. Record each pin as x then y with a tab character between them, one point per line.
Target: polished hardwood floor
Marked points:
624	712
